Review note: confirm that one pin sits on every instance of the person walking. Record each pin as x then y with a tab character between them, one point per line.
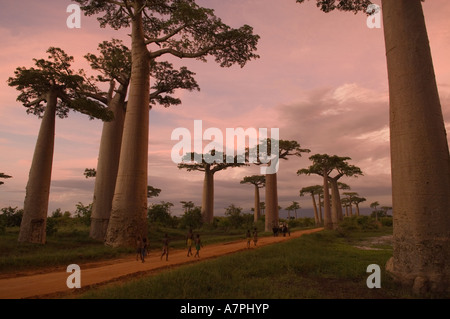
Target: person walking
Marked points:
144	249
249	238
189	241
165	247
198	244
138	247
255	236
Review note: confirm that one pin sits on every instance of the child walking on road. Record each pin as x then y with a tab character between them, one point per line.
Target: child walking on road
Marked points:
198	244
165	247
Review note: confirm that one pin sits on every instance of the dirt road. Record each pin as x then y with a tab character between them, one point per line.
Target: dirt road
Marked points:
53	283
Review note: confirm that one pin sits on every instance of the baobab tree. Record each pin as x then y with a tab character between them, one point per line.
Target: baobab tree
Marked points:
293	207
187	206
3	175
259	181
179	28
419	148
211	163
313	191
264	150
114	65
323	165
54	82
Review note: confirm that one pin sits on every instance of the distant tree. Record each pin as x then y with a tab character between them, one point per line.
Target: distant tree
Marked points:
234	215
11	216
324	165
285	150
259	181
210	164
160	213
187	206
83	213
54	82
192	218
293	207
313	191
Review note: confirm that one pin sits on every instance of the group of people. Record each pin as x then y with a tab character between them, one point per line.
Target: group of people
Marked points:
281	228
142	247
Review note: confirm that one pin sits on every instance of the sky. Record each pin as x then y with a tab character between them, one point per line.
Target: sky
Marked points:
321	79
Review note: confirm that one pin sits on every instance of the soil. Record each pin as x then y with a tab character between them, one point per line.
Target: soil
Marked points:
51	282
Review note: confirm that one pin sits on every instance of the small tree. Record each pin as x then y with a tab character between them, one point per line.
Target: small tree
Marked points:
259	181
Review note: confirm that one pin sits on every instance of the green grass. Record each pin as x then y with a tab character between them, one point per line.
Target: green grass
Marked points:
320	265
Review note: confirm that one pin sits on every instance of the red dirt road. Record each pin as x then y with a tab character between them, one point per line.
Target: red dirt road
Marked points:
53	283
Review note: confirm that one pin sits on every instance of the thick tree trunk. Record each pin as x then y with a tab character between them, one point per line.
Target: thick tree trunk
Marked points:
129	208
107	167
336	206
271	202
419	153
316	215
208	197
34	220
357	209
320	210
257	213
328	223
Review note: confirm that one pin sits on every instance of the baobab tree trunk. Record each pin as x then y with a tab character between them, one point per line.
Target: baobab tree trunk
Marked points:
316	215
357	209
207	210
419	153
336	206
271	202
257	213
320	210
34	220
129	208
328	223
107	167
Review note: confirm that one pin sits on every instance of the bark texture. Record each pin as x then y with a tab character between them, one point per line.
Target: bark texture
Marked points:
257	213
327	221
271	202
107	167
207	210
34	220
419	153
129	208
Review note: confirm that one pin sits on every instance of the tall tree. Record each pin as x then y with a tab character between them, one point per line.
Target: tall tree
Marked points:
211	163
323	165
419	149
313	191
114	65
259	181
187	206
3	175
54	82
158	27
265	151
358	200
419	153
293	207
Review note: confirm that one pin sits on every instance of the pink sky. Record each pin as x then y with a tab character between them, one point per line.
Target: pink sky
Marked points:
321	80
